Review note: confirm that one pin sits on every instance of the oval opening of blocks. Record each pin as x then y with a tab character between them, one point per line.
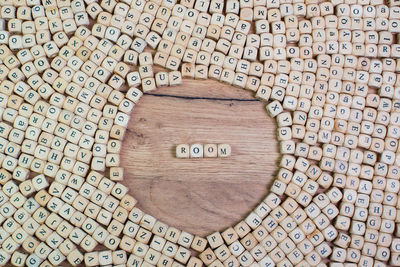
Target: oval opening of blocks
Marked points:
334	71
207	194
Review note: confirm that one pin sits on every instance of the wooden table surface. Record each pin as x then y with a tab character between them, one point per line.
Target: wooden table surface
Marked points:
199	195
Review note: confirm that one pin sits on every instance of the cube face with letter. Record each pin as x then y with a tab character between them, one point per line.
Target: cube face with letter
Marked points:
210	150
224	150
196	151
182	151
203	150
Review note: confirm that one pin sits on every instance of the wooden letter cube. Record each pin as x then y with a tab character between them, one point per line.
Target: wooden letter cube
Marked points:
182	151
224	150
210	151
196	151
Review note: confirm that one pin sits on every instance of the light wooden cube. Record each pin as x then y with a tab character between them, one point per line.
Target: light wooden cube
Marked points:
182	151
148	84
175	78
224	150
75	257
116	173
196	151
92	258
161	79
210	150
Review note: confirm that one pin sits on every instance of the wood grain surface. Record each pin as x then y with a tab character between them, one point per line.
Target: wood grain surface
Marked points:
199	195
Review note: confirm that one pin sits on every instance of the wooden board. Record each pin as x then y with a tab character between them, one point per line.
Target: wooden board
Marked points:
199	195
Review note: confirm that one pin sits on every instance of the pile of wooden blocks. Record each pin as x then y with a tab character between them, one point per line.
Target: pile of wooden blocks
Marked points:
72	71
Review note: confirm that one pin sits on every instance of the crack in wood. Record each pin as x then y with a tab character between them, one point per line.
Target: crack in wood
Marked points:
203	98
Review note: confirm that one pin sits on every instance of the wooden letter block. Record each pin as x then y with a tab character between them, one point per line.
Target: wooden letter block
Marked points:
224	150
182	151
196	151
210	150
